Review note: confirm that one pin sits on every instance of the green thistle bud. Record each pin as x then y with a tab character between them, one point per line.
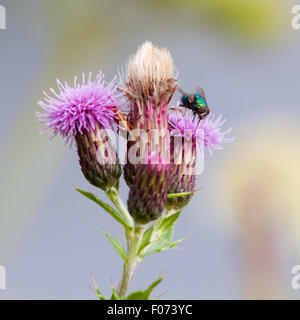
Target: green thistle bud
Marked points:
180	184
184	174
148	195
98	159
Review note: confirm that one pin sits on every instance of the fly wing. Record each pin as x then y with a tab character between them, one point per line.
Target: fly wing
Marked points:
200	91
182	91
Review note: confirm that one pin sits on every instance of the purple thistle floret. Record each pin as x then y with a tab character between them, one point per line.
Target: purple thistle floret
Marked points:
83	113
80	108
208	129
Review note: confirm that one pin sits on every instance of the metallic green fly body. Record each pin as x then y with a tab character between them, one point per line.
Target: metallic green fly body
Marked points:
195	102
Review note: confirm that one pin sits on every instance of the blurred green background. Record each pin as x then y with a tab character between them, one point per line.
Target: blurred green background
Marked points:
244	222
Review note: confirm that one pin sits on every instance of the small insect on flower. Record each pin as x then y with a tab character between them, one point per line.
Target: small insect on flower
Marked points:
208	131
195	102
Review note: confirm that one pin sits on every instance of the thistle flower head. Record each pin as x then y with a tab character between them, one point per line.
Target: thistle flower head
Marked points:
80	108
149	85
83	113
150	72
150	65
208	131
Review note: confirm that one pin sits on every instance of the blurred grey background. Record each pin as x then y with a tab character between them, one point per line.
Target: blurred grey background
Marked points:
244	223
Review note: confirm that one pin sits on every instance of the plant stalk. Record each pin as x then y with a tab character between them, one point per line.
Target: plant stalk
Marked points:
133	243
114	197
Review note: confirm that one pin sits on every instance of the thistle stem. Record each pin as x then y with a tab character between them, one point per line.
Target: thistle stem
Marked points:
134	238
114	197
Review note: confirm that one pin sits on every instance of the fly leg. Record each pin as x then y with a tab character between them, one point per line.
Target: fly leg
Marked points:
176	109
195	114
204	113
182	106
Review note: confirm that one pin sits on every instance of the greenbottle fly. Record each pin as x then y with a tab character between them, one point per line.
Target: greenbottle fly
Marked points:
195	102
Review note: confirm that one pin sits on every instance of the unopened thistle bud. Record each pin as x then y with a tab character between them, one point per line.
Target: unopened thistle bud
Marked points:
188	139
148	193
183	172
98	159
83	113
149	86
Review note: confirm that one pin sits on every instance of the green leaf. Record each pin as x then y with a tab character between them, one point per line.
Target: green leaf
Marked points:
144	294
114	295
177	195
161	243
173	244
168	222
152	286
136	295
100	295
117	245
163	235
98	292
114	213
146	238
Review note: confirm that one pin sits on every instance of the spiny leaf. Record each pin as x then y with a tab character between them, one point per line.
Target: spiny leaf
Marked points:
114	295
99	294
117	245
173	244
152	286
146	238
161	243
163	235
177	195
114	213
144	294
182	194
168	222
136	295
